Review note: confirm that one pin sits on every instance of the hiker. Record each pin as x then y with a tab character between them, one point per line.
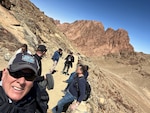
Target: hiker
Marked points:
40	52
76	91
73	75
55	58
43	81
23	49
68	63
18	91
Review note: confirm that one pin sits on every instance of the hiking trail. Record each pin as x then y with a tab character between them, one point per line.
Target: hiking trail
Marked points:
56	94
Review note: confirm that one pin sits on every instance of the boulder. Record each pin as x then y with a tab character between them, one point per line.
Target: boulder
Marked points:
7	56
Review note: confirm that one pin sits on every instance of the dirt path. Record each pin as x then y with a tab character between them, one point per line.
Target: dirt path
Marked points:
56	94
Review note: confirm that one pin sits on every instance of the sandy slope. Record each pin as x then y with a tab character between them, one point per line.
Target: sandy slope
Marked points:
130	90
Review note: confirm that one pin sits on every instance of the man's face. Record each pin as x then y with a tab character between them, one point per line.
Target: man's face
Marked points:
60	52
24	49
41	54
15	88
79	71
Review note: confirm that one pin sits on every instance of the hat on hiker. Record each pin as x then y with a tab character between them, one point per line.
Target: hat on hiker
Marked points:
23	61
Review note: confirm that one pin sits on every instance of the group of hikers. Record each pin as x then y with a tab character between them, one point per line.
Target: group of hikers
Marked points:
23	88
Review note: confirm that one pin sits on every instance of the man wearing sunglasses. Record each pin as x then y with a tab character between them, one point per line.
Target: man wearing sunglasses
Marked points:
18	91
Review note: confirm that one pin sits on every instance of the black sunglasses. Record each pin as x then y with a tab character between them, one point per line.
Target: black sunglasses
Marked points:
19	74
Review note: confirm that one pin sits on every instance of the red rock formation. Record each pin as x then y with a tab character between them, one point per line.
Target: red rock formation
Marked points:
92	40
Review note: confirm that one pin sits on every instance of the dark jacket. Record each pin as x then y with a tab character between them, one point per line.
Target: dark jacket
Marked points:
56	56
86	74
39	78
77	88
36	101
69	60
38	58
26	105
31	103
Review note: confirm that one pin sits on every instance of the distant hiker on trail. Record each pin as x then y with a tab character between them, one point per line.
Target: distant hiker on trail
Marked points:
76	91
68	63
55	58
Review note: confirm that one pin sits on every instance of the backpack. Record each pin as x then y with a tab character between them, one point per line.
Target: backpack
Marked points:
87	90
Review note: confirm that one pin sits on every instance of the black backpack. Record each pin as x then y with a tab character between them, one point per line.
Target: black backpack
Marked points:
87	91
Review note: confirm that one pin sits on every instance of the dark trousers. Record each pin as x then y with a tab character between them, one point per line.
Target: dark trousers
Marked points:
66	67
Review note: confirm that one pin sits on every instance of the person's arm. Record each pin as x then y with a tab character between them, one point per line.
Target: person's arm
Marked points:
82	88
72	59
39	78
86	74
66	57
42	99
72	76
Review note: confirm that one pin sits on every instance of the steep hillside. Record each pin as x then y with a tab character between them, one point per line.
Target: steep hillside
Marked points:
92	40
28	24
123	83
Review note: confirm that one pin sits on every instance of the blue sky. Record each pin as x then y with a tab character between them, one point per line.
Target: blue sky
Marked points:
131	15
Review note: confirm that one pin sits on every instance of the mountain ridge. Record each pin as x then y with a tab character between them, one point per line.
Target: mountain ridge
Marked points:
92	40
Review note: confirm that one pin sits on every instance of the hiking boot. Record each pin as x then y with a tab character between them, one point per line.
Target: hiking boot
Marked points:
53	72
64	73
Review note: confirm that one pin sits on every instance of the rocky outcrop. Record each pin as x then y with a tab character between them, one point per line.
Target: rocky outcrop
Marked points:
92	40
7	40
6	3
42	26
29	25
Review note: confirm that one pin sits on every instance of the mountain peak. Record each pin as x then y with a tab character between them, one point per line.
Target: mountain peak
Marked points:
92	40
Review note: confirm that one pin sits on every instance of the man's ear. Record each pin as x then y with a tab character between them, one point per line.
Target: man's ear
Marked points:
4	73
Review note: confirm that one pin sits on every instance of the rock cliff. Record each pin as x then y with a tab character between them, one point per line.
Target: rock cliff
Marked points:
91	38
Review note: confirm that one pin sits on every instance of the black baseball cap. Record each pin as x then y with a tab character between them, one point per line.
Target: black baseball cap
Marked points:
23	61
42	48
